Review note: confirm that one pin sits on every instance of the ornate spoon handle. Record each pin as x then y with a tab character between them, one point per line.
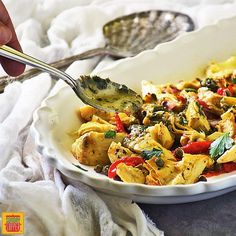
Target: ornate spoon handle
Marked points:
61	64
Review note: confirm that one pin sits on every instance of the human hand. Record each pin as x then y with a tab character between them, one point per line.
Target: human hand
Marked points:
8	37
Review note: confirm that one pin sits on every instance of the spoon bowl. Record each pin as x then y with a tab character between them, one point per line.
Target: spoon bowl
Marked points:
95	91
131	34
107	95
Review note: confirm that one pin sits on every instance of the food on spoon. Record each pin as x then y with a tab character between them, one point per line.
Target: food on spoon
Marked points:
184	133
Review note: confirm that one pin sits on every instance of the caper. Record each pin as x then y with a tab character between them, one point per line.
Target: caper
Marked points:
211	84
154	97
178	153
217	166
98	168
202	178
105	169
159	162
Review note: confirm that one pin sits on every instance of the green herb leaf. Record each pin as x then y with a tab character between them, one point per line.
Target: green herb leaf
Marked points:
148	154
110	134
78	166
190	90
234	80
220	145
227	92
201	112
182	119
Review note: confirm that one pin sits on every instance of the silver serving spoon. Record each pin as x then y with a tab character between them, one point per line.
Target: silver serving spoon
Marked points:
95	91
127	36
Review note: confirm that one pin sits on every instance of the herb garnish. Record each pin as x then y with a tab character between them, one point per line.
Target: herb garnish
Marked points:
110	134
78	166
234	80
148	154
191	90
182	119
201	112
220	145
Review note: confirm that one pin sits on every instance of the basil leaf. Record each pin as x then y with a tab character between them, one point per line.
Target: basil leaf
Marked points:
148	154
220	145
110	134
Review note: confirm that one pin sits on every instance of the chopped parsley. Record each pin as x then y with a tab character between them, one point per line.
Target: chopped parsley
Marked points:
201	112
182	119
220	145
110	134
148	154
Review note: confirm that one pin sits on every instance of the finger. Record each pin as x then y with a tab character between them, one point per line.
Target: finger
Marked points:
11	67
5	35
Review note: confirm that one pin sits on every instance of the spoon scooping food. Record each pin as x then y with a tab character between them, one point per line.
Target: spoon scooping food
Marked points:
95	91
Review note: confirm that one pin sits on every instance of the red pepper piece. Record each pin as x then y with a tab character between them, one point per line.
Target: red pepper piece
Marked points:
202	103
229	167
181	98
231	89
197	147
119	125
129	161
226	91
220	91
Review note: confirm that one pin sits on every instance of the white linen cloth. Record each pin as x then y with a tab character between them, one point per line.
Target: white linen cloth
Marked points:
51	30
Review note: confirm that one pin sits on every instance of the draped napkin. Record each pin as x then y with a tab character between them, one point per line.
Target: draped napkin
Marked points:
51	30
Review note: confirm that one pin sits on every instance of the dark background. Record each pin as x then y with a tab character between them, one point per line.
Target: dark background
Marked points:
212	217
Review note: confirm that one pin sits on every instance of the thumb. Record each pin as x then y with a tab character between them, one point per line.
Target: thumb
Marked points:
5	34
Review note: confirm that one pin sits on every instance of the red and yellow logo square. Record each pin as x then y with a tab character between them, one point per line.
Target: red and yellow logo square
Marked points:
12	223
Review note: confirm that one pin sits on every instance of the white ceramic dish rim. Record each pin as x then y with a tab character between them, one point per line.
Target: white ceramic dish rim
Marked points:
215	184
